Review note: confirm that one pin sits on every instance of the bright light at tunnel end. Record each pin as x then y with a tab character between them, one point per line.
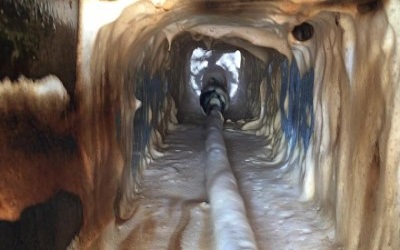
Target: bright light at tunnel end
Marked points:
201	59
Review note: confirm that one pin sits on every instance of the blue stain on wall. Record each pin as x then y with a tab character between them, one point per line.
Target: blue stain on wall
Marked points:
150	91
118	125
299	91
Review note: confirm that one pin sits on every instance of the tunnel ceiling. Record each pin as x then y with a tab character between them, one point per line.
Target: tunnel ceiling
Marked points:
261	24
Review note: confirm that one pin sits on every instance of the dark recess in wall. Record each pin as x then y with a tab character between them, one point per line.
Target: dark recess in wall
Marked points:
49	225
370	6
303	32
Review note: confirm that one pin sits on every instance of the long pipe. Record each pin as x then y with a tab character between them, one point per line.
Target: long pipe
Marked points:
231	227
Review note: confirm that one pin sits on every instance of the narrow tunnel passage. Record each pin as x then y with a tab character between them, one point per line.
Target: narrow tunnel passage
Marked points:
109	117
174	212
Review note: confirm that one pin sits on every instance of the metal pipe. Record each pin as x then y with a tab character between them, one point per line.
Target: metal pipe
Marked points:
231	227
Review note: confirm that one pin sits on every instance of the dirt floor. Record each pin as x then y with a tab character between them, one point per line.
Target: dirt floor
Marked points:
174	213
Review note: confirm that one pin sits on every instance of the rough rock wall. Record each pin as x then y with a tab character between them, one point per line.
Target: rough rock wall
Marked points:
353	166
368	185
40	164
48	141
127	82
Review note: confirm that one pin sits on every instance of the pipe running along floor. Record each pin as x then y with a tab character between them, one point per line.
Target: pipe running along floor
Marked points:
173	212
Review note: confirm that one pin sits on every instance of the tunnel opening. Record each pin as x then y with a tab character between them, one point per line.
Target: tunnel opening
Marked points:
289	106
227	60
310	133
273	98
274	94
217	54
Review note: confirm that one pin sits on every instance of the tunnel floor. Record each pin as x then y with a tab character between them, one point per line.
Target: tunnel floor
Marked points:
173	212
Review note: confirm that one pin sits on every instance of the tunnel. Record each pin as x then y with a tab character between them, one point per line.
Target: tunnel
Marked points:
105	143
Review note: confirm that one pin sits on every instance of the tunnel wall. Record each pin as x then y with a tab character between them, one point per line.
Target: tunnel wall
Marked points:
40	167
34	35
348	167
129	80
296	104
352	167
